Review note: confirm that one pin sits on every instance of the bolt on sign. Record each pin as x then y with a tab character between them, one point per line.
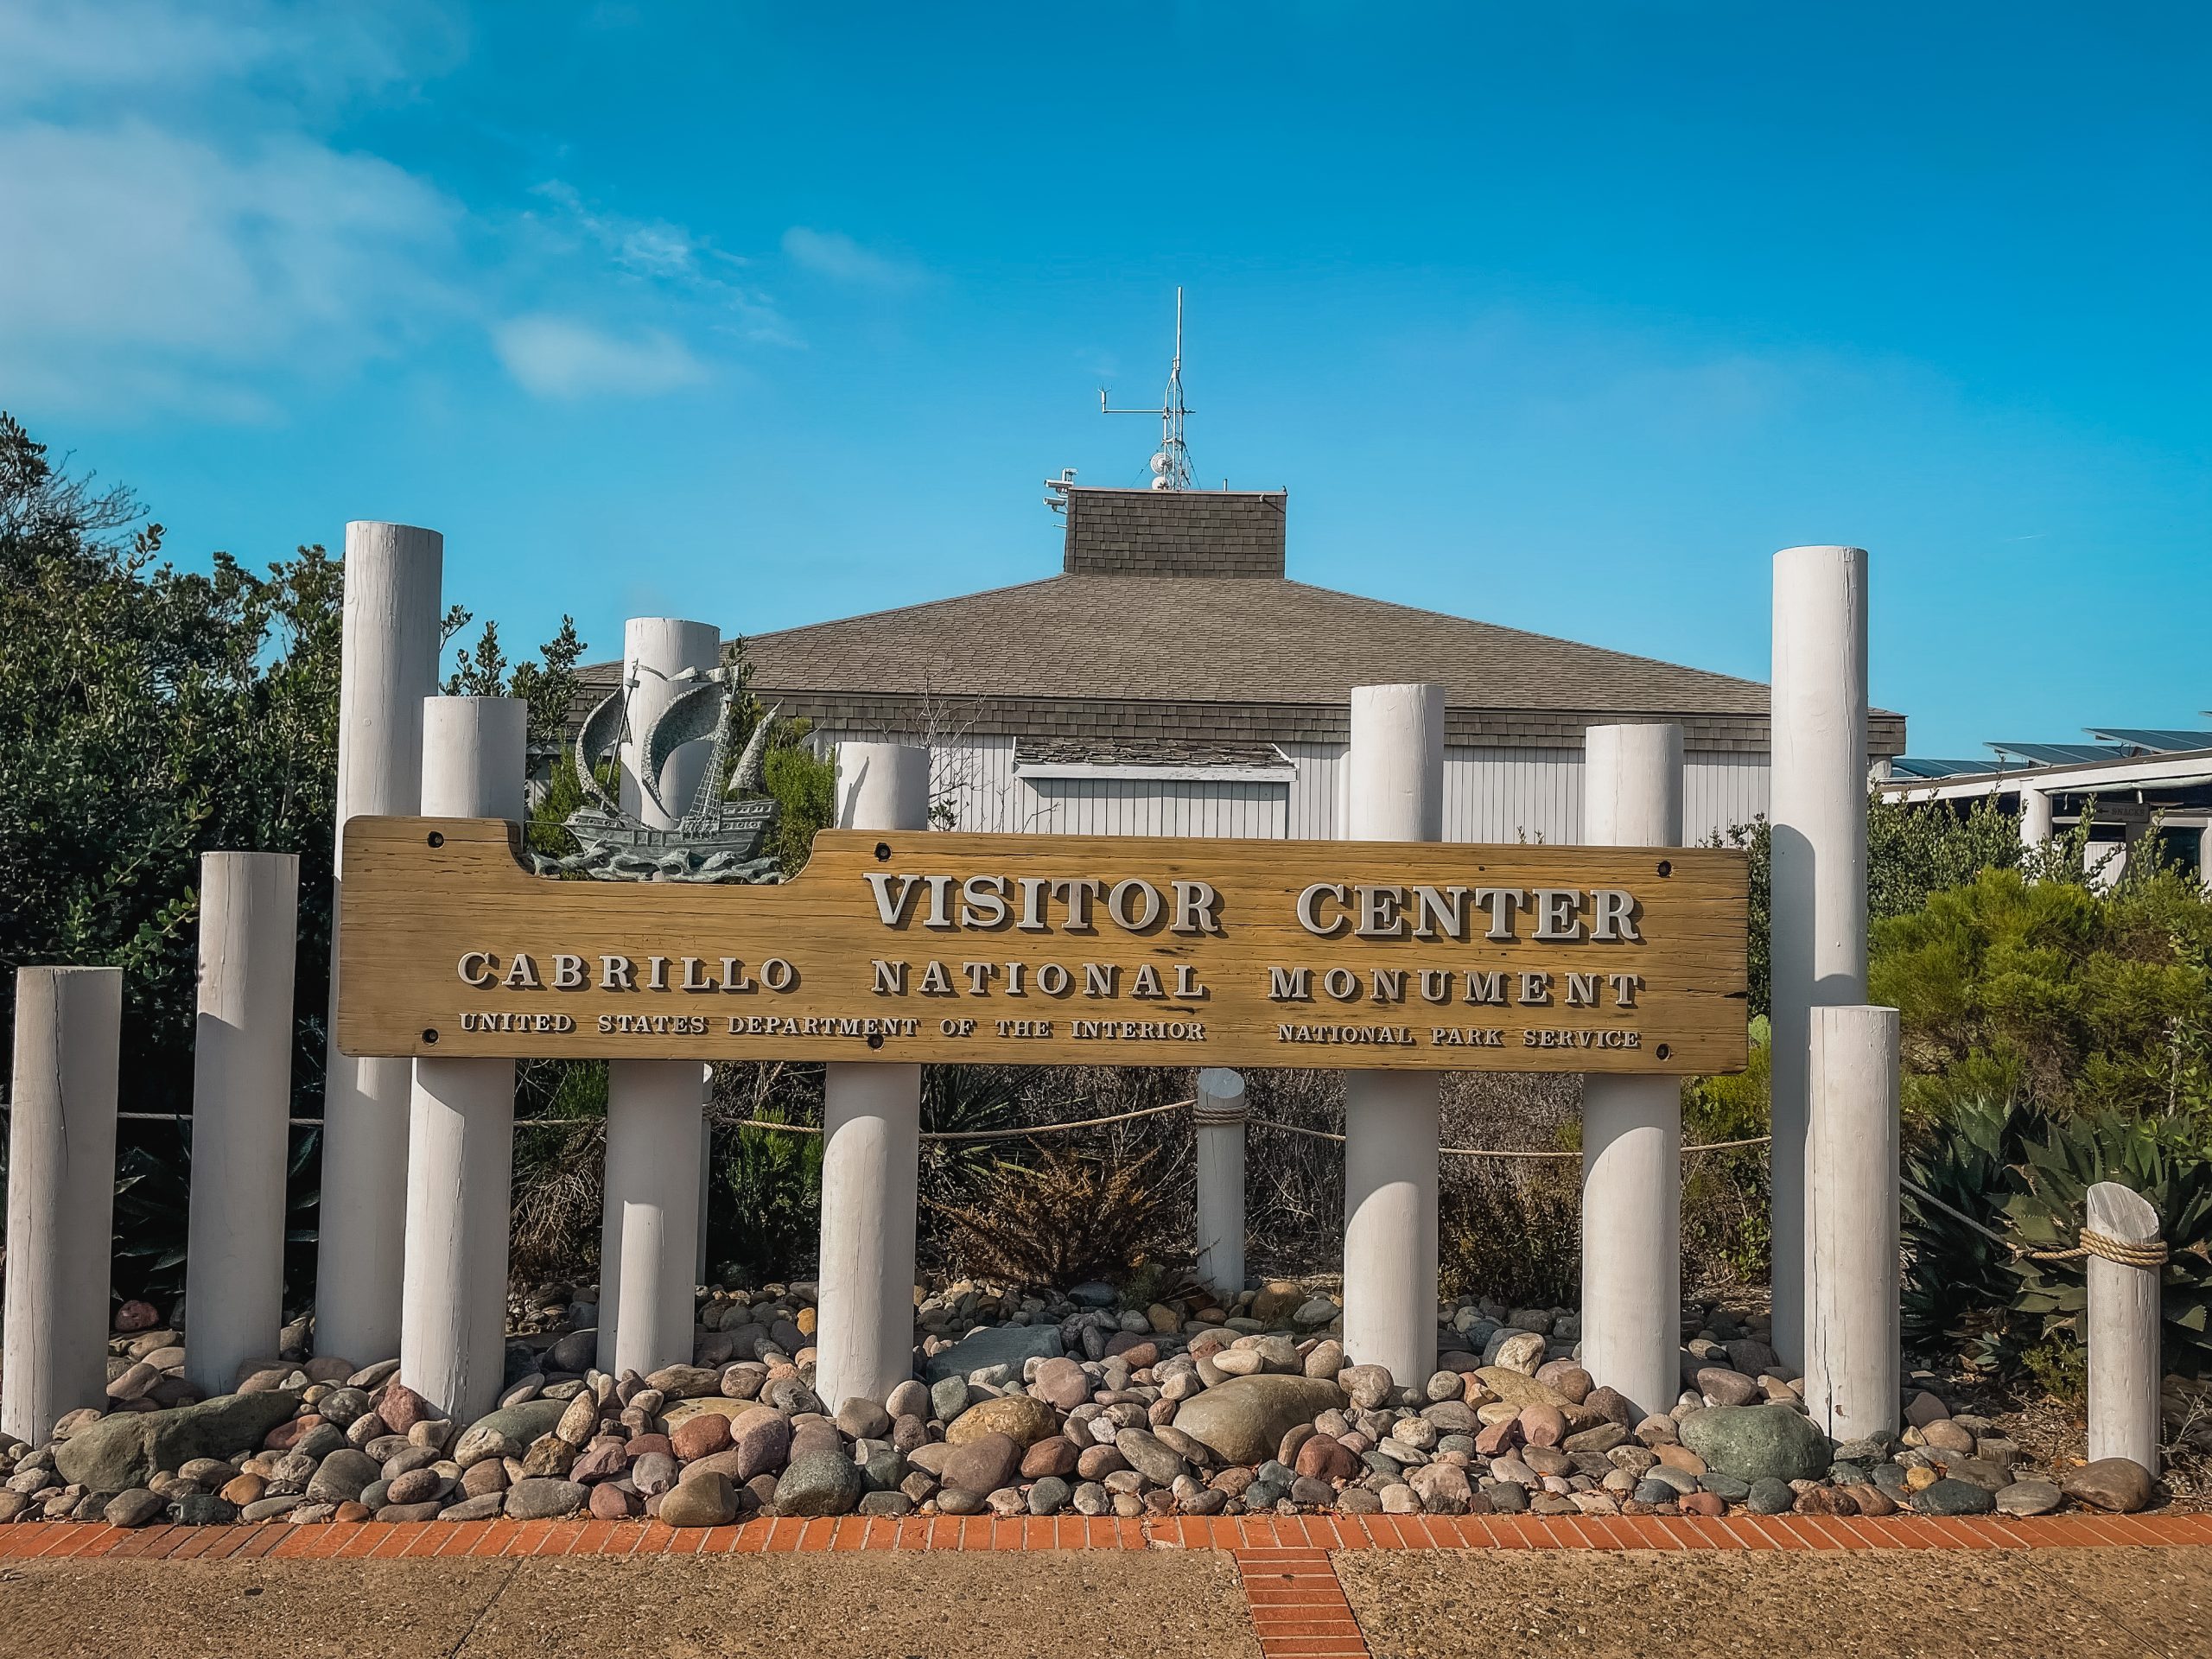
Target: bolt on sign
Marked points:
1074	950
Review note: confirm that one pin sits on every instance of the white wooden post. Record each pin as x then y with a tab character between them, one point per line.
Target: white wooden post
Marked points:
1853	1341
60	1195
241	1103
1818	954
648	1232
388	664
1218	1130
1632	1126
1395	771
460	1143
871	1141
2124	1331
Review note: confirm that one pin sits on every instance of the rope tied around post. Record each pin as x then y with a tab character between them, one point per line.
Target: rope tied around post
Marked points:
2150	1257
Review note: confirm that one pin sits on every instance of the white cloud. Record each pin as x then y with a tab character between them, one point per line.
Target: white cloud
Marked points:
564	357
146	263
836	256
678	265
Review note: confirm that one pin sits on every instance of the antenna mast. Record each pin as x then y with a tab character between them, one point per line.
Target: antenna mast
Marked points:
1171	467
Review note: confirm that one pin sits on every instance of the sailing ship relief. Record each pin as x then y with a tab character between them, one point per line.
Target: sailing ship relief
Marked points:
718	838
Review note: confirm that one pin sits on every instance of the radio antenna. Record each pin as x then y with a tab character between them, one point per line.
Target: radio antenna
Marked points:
1171	465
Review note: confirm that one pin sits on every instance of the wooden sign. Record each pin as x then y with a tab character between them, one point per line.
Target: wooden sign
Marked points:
1070	950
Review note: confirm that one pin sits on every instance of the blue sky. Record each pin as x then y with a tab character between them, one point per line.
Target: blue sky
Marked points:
1564	318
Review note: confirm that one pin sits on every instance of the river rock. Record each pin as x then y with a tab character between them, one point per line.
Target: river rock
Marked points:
818	1484
709	1501
2028	1497
508	1432
342	1476
1022	1418
540	1498
981	1464
134	1508
1244	1420
2120	1484
1757	1443
125	1450
1950	1496
995	1344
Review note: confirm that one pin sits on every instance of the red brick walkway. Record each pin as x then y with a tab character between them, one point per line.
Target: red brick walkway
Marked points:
1298	1610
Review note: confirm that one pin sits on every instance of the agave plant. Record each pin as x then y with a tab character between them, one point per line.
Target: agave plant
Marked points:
2168	1159
2026	1172
1957	1279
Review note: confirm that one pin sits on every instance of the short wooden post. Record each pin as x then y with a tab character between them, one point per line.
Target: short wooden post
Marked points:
2124	1316
60	1195
241	1100
1853	1338
871	1141
1218	1117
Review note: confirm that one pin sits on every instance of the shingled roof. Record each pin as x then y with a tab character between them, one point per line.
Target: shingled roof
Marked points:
1130	643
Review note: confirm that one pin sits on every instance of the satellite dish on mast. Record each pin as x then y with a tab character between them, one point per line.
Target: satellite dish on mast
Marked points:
1170	463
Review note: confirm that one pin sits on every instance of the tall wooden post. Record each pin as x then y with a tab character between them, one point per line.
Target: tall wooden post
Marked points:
871	1143
241	1107
388	664
460	1144
1397	770
60	1195
1818	954
1632	1126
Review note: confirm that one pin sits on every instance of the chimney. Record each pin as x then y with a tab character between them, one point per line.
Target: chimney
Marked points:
1174	532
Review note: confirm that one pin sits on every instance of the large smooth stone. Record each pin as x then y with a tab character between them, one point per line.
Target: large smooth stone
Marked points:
508	1432
1243	1420
819	1482
1758	1443
540	1498
710	1501
2120	1484
995	1344
1022	1418
128	1449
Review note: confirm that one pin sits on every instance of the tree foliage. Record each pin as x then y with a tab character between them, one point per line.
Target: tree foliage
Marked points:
148	716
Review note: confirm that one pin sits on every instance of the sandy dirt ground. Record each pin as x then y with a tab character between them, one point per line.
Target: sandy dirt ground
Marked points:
1899	1605
871	1606
2141	1604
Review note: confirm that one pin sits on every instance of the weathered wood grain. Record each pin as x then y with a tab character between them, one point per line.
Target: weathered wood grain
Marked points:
420	893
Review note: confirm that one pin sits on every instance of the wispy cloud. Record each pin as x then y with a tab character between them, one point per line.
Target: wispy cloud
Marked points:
836	256
566	358
683	269
187	253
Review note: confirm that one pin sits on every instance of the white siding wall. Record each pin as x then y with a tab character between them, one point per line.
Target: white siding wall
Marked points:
1089	806
1490	795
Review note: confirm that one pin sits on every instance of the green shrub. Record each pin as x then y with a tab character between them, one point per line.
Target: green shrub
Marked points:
774	1185
1059	1221
1513	1231
1726	1195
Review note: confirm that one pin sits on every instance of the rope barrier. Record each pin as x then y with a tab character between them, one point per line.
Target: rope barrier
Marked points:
1490	1152
2148	1257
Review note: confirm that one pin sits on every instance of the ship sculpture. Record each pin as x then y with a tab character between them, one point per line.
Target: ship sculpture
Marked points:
720	838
